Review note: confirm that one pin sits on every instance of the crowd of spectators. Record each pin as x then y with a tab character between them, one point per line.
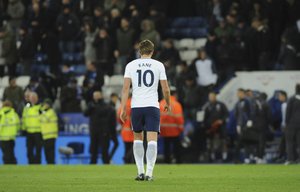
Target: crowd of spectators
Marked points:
242	35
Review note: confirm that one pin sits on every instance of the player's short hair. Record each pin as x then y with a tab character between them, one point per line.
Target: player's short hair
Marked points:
146	47
283	93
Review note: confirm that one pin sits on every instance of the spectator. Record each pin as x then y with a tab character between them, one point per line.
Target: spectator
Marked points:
149	32
257	46
102	122
50	46
158	19
16	12
171	128
193	98
89	49
291	48
37	87
215	117
110	4
182	74
70	97
104	52
169	53
292	127
204	69
114	22
100	19
223	30
125	40
36	21
8	50
67	74
211	45
135	21
14	94
26	50
68	27
92	82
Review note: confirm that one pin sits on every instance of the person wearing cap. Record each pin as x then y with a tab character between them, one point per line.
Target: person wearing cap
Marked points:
14	93
49	128
31	124
9	126
171	127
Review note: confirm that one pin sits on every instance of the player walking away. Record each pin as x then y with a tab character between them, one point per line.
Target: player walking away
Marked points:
145	74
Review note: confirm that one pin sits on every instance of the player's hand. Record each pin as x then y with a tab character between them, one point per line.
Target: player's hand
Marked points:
123	116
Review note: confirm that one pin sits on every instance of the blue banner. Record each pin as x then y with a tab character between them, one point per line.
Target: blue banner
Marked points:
74	124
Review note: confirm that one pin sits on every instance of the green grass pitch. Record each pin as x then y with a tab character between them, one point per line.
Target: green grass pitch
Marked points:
174	178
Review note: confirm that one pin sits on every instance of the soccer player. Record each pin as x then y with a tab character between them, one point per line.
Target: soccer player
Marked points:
145	74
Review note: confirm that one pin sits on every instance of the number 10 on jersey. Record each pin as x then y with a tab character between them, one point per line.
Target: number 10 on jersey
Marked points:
142	78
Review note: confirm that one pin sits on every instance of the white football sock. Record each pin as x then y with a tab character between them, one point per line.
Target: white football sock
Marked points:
151	157
138	151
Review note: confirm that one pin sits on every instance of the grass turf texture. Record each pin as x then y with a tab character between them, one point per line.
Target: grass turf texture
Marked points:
187	178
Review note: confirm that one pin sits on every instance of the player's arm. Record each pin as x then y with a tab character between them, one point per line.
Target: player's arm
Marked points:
166	93
125	94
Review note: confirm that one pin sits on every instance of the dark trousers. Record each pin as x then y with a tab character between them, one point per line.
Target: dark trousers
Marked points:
292	134
261	145
99	140
172	145
8	154
49	149
34	144
128	155
249	146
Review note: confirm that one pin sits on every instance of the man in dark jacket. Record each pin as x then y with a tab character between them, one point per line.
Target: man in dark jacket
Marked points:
8	51
26	50
102	126
104	46
215	117
68	26
293	127
261	122
242	114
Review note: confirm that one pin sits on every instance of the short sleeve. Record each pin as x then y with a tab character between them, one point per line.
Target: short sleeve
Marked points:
162	73
127	72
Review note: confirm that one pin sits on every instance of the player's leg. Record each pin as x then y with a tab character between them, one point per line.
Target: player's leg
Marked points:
138	147
152	121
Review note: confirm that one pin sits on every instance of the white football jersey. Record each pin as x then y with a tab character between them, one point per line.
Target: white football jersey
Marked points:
145	75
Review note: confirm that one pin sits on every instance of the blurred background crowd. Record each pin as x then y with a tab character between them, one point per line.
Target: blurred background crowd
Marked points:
69	48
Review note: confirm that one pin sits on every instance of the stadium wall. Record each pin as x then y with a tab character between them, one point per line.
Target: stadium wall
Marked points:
264	81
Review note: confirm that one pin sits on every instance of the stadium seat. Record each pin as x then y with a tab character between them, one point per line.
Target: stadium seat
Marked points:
80	80
187	43
23	81
73	150
4	81
200	42
1	93
188	55
116	80
106	80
